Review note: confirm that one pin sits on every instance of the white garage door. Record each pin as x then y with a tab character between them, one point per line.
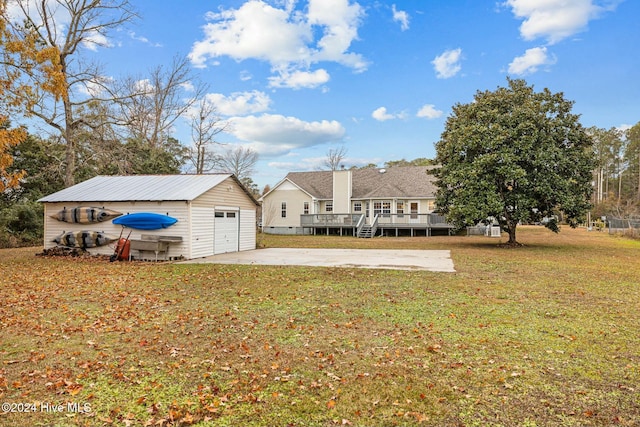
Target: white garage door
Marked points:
226	232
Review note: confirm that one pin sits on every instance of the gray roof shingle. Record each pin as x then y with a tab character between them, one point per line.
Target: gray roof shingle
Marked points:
395	182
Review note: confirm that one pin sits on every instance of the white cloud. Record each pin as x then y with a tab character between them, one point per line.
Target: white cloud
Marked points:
240	103
95	87
143	39
144	86
340	21
429	111
556	20
316	163
284	37
400	16
531	60
255	30
94	40
299	79
381	115
447	64
273	135
188	86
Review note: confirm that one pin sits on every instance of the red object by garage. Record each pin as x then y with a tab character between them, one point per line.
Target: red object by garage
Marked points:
123	248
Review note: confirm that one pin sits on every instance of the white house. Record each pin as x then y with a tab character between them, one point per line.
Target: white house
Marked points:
215	213
362	202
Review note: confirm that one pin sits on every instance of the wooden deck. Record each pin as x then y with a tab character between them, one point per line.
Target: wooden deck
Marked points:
381	225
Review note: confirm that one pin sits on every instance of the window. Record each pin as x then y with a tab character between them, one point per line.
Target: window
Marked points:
377	208
431	205
305	208
219	214
400	207
328	207
283	210
231	214
381	208
357	206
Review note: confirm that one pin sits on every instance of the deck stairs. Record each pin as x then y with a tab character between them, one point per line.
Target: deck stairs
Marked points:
366	232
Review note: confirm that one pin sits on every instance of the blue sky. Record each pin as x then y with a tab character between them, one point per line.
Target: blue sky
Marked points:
297	78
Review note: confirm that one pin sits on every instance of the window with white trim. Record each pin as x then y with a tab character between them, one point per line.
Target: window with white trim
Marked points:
283	209
305	208
382	207
328	207
377	208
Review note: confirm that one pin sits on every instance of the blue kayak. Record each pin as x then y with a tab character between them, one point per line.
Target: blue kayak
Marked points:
145	221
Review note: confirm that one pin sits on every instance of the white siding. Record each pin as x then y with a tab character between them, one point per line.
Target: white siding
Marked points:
247	230
201	232
178	210
294	199
195	220
227	194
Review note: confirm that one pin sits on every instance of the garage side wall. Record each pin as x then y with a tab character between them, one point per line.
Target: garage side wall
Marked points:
227	194
247	230
178	210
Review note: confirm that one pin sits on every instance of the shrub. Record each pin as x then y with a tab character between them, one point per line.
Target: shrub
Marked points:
21	224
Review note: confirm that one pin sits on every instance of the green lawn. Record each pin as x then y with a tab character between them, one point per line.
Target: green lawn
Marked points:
544	335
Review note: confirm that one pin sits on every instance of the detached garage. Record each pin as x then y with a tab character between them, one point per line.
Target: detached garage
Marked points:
192	216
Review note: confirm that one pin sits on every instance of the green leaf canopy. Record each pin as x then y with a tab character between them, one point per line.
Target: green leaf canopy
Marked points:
514	155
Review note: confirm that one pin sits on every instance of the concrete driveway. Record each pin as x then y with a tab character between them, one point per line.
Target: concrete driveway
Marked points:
429	260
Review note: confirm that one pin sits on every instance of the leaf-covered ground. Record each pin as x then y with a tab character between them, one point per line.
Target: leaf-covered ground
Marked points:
544	335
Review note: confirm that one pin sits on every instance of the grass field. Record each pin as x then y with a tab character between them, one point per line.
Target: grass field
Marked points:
544	335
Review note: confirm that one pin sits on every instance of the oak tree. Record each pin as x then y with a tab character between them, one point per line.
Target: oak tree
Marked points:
516	156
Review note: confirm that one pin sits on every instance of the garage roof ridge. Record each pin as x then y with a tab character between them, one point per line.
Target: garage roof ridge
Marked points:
139	187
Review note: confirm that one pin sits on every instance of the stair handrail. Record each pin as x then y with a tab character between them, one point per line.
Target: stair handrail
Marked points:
360	225
374	225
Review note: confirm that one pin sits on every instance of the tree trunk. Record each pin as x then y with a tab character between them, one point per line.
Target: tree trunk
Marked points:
512	235
70	152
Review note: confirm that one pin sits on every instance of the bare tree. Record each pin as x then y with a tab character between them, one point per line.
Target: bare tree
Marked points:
239	161
335	156
55	94
205	125
150	107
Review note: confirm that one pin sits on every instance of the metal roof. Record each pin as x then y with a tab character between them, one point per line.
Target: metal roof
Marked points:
138	188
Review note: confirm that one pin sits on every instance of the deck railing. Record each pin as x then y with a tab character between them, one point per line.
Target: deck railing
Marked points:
330	220
412	219
374	224
383	220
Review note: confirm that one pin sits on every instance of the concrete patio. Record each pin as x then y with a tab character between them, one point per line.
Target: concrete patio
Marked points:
415	260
